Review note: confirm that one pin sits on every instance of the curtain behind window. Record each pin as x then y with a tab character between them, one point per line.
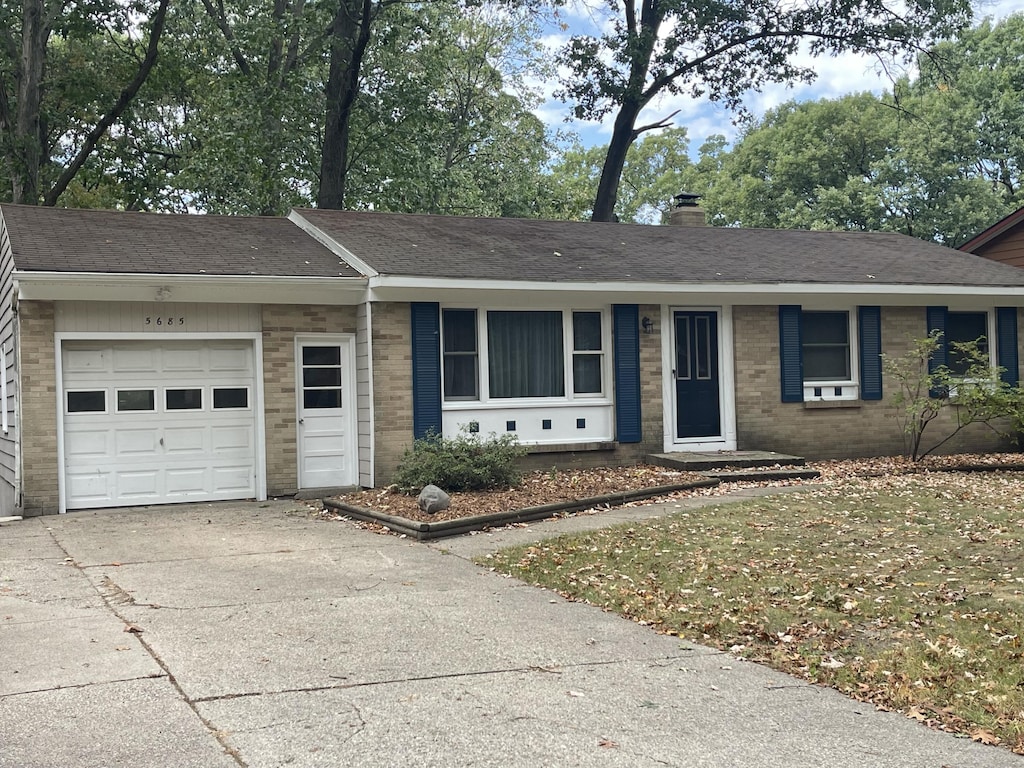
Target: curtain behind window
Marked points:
525	354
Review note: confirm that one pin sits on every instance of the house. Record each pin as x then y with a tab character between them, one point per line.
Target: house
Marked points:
156	358
1002	242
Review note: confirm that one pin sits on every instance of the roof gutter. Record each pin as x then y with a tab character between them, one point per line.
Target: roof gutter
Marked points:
213	289
404	288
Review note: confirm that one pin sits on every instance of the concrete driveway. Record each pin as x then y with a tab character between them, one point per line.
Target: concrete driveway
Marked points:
251	634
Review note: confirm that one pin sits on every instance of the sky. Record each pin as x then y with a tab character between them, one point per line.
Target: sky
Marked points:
836	77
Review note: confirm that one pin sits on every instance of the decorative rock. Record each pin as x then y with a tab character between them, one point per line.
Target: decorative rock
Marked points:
432	499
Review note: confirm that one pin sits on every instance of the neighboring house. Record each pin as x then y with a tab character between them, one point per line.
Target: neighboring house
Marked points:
1003	241
153	358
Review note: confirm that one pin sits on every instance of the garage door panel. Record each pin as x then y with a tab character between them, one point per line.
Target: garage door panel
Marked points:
185	440
232	479
86	487
234	440
135	360
138	486
191	480
136	442
231	360
185	359
162	455
87	360
87	443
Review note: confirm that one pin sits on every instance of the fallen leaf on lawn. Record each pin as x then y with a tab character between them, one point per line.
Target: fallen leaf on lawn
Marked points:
917	714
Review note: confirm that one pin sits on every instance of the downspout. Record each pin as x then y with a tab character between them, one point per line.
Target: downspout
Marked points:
16	341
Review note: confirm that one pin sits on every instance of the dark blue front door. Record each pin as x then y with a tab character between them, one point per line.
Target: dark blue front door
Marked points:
698	411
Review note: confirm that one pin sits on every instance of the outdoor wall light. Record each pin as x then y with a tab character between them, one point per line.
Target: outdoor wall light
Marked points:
648	325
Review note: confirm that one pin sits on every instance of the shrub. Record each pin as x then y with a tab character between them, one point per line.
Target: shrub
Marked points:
977	396
464	463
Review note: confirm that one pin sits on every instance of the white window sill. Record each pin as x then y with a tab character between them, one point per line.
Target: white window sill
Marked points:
831	391
531	402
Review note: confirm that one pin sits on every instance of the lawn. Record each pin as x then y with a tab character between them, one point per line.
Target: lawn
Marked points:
904	591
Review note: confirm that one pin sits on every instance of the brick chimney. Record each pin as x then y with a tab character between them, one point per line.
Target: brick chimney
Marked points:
687	213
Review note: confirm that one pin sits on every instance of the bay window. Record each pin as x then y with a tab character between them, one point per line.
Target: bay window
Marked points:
524	354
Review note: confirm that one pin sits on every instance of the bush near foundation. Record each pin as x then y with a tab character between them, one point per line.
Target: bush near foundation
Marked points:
464	463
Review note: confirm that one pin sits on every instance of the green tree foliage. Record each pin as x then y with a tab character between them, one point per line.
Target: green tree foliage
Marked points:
444	124
69	74
724	50
939	158
657	168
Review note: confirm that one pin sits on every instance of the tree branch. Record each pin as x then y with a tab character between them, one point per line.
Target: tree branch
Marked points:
125	98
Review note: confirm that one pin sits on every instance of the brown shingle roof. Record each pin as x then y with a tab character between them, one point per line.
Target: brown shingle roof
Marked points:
523	249
73	240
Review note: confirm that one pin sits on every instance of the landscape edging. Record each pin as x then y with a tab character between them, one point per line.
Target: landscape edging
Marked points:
444	528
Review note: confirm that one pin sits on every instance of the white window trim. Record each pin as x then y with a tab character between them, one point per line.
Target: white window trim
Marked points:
849	388
485	401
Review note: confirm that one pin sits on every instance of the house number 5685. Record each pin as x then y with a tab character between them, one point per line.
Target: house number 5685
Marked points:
165	320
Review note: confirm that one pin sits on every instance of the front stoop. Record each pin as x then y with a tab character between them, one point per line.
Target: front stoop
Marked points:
700	461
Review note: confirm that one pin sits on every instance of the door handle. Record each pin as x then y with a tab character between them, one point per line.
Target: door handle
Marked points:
302	421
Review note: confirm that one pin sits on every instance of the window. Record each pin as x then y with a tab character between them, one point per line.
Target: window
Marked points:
136	400
826	346
460	355
964	327
93	401
183	399
587	355
525	354
230	397
321	376
522	354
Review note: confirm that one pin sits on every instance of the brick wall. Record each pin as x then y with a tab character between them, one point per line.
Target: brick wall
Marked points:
392	387
866	429
38	408
281	324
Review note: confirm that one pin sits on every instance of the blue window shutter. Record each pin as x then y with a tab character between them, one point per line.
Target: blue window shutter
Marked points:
869	331
626	345
936	317
790	354
1006	334
426	368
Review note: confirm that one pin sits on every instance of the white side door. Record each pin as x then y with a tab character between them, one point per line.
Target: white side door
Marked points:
325	390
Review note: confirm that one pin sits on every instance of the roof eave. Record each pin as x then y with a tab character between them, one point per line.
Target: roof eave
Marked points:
205	289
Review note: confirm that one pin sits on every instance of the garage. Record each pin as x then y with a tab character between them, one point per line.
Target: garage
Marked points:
157	422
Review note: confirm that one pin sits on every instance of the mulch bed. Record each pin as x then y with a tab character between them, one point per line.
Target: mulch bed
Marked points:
563	487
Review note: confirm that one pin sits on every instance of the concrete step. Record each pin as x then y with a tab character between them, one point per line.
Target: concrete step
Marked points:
701	461
759	475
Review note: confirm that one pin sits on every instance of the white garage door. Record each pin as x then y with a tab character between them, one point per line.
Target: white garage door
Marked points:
158	422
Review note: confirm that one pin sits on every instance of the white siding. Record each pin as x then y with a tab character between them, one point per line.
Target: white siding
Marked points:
155	317
364	391
9	474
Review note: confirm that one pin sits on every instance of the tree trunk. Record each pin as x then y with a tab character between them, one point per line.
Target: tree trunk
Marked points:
350	34
623	135
28	150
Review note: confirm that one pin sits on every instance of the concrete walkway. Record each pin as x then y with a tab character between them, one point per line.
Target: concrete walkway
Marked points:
250	634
